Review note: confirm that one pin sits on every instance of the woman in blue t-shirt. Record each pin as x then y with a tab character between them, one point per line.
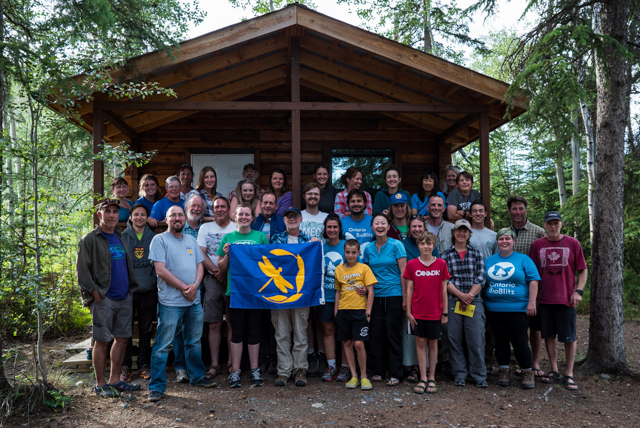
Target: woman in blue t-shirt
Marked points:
387	259
428	188
509	300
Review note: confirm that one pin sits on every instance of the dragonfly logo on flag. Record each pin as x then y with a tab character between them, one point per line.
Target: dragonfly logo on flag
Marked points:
276	276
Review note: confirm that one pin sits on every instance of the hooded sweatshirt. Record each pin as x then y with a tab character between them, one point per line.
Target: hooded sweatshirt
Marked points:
142	267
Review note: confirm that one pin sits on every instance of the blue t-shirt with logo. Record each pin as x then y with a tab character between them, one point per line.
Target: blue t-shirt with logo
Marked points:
508	278
119	288
359	230
160	208
384	265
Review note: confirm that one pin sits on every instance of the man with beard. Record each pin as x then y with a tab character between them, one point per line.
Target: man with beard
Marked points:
178	262
312	219
159	210
138	236
358	225
194	209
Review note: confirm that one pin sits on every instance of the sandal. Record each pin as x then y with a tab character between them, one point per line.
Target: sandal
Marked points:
570	383
214	374
536	372
376	378
432	388
459	382
393	381
551	377
106	391
413	376
420	388
123	386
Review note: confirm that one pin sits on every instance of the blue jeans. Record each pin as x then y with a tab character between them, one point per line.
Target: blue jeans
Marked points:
169	317
179	361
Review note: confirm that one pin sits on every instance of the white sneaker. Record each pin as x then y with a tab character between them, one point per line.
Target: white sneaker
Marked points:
182	376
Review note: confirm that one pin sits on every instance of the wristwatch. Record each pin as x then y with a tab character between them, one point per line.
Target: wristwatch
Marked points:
580	292
445	315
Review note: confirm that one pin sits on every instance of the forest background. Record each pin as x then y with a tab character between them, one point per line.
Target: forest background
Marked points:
545	155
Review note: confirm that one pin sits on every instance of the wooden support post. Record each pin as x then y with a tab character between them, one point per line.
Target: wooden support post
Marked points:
295	121
444	159
98	166
484	164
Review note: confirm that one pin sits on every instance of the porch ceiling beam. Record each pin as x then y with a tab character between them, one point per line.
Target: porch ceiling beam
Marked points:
286	105
120	124
463	123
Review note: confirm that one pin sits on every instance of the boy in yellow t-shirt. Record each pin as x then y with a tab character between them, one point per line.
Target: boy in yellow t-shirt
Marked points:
354	298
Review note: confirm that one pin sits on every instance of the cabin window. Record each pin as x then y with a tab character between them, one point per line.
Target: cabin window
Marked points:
372	163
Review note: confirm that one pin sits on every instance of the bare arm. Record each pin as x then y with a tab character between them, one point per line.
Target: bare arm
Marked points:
223	261
369	301
337	302
533	295
454	214
581	281
445	306
410	317
402	264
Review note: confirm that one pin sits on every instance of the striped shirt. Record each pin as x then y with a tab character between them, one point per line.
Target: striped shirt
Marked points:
529	233
342	208
465	273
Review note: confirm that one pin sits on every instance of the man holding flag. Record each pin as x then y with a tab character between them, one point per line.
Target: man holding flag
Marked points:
287	321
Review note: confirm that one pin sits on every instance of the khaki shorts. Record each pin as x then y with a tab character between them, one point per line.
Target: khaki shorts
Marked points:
213	301
111	318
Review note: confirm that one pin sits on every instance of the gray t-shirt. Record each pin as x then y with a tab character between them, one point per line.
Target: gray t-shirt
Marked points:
211	234
484	240
313	225
181	257
462	202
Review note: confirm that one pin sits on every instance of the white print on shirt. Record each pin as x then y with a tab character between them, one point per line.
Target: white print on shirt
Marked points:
501	271
427	273
555	256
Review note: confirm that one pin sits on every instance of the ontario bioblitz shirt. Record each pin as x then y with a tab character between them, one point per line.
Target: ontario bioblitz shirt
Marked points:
508	278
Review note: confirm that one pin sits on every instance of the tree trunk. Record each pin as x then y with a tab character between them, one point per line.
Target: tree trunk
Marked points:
606	342
562	184
428	34
588	127
575	156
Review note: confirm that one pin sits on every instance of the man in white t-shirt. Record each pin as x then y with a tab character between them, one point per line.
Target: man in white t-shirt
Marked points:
214	303
312	218
436	225
482	238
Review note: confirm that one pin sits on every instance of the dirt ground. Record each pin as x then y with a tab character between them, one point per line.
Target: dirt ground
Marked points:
602	401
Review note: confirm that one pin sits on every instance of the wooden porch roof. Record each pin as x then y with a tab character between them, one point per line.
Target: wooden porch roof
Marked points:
338	59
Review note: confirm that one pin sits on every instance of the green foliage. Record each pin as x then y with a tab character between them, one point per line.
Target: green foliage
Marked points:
56	400
371	165
260	7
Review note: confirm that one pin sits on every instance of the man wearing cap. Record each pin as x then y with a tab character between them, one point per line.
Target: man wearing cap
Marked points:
107	282
466	266
291	360
185	174
250	172
563	272
160	208
177	259
400	215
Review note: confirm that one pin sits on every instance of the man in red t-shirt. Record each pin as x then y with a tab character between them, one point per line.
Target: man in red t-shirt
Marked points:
563	274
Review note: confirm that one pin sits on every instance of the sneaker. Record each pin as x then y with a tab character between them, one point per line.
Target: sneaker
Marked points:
353	383
528	379
123	386
273	365
145	372
312	360
154	396
182	376
503	376
344	375
256	377
365	384
125	374
205	382
330	374
482	384
282	381
106	391
322	363
234	379
300	378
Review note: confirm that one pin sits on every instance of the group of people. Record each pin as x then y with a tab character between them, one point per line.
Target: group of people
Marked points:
409	280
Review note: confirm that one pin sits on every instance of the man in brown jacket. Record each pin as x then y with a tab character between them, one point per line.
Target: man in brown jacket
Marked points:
106	279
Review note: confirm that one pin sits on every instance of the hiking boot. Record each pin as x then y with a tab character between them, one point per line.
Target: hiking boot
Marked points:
182	376
256	377
312	360
322	363
234	379
145	372
330	374
125	374
503	376
205	382
299	378
282	381
344	375
264	363
528	379
273	365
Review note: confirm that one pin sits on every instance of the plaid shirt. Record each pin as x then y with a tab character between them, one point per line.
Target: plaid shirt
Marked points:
465	273
342	208
529	233
191	231
281	238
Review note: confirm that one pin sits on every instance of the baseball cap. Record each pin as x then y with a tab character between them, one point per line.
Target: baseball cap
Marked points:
108	201
185	165
398	198
249	166
462	223
293	209
552	215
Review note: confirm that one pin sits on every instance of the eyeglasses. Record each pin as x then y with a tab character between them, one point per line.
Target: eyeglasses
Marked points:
416	216
172	187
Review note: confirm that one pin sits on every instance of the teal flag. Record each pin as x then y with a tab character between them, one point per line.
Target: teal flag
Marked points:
276	276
